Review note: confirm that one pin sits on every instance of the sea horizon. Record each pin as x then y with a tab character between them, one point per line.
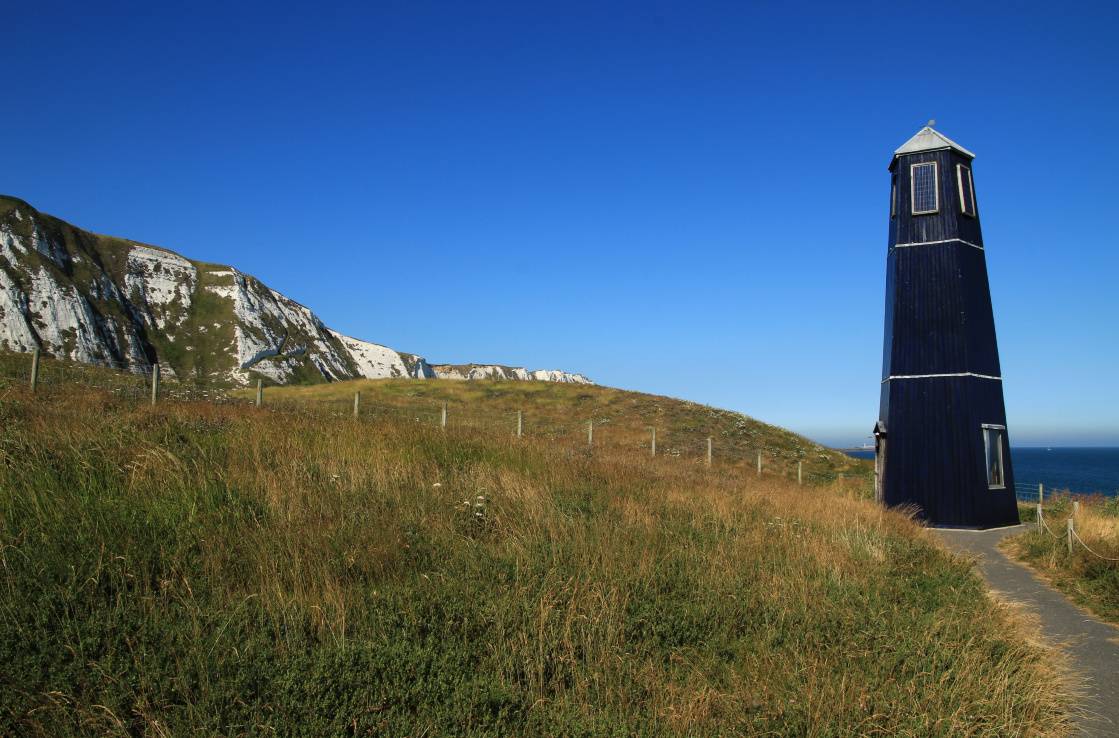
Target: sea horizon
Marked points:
1084	470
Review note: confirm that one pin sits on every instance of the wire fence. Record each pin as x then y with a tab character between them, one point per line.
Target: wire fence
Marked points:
1028	492
600	428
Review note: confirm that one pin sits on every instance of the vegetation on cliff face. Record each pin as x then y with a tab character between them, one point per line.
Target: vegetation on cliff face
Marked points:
197	568
97	299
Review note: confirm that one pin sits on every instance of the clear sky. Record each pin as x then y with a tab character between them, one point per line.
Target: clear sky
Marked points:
681	198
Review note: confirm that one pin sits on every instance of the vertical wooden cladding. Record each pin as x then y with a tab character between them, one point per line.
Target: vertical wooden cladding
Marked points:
939	316
940	322
936	454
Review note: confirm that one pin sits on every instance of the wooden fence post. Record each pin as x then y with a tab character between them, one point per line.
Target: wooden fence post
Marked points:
357	403
709	450
1040	494
155	382
1076	508
590	432
653	443
520	423
1039	517
800	475
34	369
1068	526
259	392
759	463
443	417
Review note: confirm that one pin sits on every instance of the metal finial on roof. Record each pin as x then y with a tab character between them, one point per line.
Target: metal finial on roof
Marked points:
931	123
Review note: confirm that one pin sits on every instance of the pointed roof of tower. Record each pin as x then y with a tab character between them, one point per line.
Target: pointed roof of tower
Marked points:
928	139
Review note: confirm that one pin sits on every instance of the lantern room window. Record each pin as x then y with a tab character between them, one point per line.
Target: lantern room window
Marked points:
993	447
923	181
893	196
966	189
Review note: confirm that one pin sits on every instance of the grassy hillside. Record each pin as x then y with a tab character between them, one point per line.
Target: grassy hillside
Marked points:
560	412
218	569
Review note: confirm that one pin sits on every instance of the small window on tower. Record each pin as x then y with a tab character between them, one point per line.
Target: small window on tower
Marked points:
967	190
923	183
993	444
893	195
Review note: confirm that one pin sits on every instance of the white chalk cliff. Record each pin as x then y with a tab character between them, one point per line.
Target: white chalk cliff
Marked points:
103	300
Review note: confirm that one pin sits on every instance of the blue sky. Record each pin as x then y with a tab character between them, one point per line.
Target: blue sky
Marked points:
681	198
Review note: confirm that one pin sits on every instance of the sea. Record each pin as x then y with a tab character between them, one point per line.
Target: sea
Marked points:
1083	470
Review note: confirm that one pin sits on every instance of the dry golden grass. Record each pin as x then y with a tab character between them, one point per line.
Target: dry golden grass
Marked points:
1089	575
559	412
228	570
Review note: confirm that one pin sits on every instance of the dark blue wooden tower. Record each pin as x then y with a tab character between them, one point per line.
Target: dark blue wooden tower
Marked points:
941	442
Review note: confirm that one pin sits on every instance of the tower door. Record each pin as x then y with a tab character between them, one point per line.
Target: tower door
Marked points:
879	461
